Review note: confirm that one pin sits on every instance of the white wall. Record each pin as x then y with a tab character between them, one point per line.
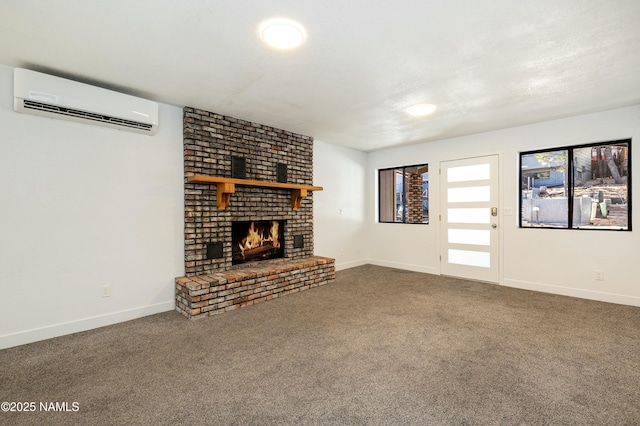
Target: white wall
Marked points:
555	261
83	206
339	210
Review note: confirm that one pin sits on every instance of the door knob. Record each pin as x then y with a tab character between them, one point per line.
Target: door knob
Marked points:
494	226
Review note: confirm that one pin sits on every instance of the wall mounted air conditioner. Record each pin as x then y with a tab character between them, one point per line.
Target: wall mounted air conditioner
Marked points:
49	96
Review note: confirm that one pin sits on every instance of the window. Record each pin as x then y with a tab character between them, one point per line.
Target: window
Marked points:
578	187
543	175
404	194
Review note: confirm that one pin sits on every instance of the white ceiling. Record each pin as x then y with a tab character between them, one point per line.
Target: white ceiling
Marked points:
486	64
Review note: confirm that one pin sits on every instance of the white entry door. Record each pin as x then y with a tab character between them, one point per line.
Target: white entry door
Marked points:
469	225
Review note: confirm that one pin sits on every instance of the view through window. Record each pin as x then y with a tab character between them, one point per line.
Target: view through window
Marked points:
404	194
578	187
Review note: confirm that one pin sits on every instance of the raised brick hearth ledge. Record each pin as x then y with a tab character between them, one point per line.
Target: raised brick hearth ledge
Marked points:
200	296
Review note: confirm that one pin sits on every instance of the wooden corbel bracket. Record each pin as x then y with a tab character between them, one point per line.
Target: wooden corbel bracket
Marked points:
297	195
223	194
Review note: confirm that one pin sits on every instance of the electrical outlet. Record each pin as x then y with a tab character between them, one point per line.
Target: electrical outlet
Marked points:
106	290
598	274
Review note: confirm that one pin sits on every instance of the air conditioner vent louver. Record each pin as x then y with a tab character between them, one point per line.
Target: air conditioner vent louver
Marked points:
86	115
49	96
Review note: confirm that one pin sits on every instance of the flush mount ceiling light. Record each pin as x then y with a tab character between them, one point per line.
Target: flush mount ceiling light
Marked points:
282	33
421	110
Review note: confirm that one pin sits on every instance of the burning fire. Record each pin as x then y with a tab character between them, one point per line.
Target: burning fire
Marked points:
257	237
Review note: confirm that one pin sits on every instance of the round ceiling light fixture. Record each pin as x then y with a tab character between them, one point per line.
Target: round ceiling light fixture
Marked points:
282	33
420	110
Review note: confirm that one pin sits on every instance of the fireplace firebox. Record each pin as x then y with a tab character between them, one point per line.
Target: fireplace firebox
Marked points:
257	240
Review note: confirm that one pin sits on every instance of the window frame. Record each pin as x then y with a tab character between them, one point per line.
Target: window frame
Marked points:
405	196
570	182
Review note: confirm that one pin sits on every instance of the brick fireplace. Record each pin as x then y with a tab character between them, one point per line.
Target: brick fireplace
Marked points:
227	147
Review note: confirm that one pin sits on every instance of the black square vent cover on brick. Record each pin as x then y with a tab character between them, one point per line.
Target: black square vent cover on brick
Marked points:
281	173
214	250
238	167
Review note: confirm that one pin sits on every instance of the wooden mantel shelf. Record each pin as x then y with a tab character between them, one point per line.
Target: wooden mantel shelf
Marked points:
227	186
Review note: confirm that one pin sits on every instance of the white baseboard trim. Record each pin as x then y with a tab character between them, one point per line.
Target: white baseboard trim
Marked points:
56	330
48	332
405	266
524	285
574	292
352	264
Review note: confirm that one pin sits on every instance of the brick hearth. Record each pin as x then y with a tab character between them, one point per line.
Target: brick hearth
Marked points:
204	295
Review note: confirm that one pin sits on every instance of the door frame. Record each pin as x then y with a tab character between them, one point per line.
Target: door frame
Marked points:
501	220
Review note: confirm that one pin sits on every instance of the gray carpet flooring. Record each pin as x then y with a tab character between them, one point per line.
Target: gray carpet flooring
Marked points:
379	346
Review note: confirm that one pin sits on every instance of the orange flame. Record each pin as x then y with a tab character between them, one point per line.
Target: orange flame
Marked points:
274	234
255	238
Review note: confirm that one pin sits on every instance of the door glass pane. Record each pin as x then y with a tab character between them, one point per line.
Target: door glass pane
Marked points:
468	194
470	258
471	215
470	236
468	173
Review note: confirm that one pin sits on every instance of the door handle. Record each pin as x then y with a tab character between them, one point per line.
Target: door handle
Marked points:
494	226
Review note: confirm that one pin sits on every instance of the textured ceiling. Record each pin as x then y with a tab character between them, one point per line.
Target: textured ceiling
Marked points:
486	64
